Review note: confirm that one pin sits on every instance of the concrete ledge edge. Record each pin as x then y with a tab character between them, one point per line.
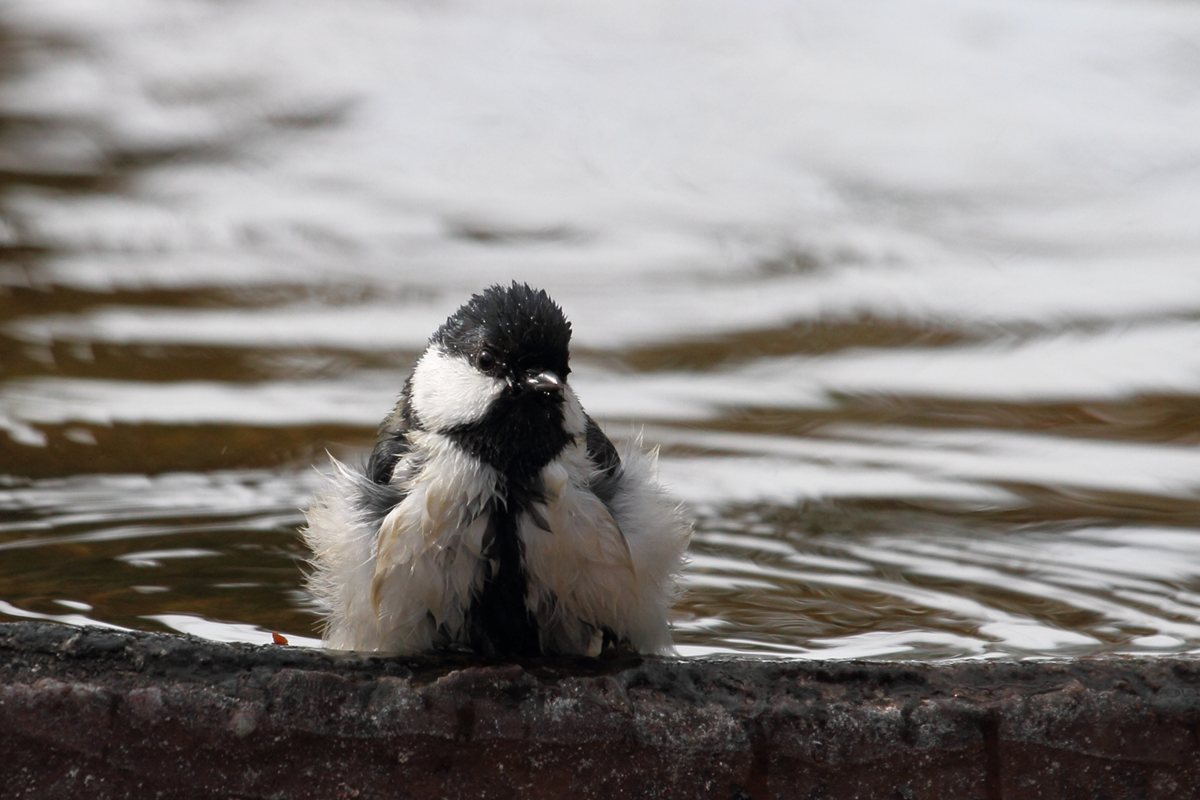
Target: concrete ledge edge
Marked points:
102	713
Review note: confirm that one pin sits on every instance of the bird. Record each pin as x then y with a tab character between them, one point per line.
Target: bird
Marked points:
493	514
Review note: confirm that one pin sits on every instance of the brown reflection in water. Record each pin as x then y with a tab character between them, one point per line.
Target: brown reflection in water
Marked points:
80	449
1162	418
238	573
808	337
168	363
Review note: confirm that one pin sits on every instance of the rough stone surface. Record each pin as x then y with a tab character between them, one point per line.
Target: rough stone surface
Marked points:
87	712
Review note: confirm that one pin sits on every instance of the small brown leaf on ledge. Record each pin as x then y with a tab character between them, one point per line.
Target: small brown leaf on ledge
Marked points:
278	638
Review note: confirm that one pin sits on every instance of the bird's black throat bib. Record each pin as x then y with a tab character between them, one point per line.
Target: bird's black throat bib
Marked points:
499	622
522	433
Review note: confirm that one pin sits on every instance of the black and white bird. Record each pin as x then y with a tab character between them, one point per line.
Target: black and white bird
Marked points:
493	513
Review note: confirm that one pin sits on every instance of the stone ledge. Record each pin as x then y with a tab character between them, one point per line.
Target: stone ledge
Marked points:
89	712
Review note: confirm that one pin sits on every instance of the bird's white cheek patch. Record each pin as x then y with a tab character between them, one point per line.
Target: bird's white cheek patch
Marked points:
448	391
574	420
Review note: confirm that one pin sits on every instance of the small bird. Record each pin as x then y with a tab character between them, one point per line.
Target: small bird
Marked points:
493	513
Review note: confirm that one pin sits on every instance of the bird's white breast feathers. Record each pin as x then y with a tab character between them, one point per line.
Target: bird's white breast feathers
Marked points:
586	568
430	546
389	588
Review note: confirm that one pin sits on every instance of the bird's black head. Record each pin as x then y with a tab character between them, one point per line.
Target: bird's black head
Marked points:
511	331
494	378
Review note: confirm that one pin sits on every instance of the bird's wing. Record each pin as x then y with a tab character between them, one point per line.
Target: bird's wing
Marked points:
392	439
605	459
391	446
378	495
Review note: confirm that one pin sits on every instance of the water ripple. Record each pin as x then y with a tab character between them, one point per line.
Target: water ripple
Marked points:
911	308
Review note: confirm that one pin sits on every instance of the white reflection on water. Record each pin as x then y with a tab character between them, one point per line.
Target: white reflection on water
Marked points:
667	134
219	631
67	619
957	465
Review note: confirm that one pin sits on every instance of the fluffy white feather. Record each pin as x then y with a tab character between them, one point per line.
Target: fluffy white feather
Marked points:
389	587
613	570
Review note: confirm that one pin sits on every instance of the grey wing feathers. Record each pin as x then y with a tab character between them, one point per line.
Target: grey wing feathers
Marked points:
603	455
389	449
377	496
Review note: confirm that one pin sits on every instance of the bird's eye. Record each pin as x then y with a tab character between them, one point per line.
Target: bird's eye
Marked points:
486	360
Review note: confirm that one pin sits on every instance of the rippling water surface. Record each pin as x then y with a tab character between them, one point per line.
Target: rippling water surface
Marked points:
909	297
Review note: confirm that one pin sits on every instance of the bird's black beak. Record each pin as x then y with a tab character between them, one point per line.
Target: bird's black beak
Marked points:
546	381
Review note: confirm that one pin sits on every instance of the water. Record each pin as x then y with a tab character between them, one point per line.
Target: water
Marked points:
909	297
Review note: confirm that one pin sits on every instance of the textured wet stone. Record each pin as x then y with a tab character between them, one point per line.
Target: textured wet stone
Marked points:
96	713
